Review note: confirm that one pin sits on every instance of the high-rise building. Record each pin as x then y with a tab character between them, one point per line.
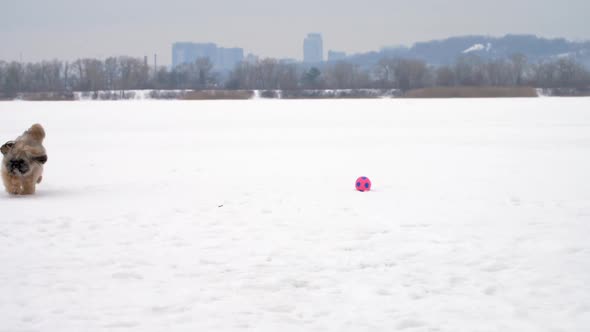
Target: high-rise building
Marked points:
227	58
220	57
336	56
189	52
251	58
313	50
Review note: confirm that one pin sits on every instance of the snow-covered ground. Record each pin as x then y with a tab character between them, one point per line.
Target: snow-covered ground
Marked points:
232	215
478	47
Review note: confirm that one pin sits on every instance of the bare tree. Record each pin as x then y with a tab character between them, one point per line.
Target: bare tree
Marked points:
445	76
312	79
267	74
2	78
287	77
385	73
112	73
66	80
411	74
204	73
561	73
14	79
345	75
94	73
124	73
470	70
519	63
134	73
340	75
570	73
51	73
500	73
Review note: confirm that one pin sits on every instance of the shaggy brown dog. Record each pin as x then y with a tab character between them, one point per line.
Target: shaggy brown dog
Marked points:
22	166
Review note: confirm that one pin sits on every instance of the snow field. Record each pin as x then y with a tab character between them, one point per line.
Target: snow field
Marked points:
233	215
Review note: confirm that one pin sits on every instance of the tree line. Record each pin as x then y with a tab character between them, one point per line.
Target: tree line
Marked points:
129	73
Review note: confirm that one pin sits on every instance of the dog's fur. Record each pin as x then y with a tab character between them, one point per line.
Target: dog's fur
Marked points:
22	165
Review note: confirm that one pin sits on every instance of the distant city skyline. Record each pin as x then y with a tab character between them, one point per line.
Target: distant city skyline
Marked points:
313	48
70	29
221	57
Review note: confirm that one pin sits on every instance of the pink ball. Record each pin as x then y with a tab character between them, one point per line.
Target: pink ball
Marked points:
363	184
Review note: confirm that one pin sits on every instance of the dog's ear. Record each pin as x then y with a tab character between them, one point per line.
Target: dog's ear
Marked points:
41	159
36	132
6	147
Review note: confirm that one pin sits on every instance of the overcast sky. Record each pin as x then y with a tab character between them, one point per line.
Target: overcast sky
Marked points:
68	29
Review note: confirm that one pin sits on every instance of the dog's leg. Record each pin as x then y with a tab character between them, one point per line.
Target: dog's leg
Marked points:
14	188
11	184
28	188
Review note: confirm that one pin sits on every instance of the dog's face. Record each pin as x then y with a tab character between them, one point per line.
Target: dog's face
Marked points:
16	160
23	155
15	163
